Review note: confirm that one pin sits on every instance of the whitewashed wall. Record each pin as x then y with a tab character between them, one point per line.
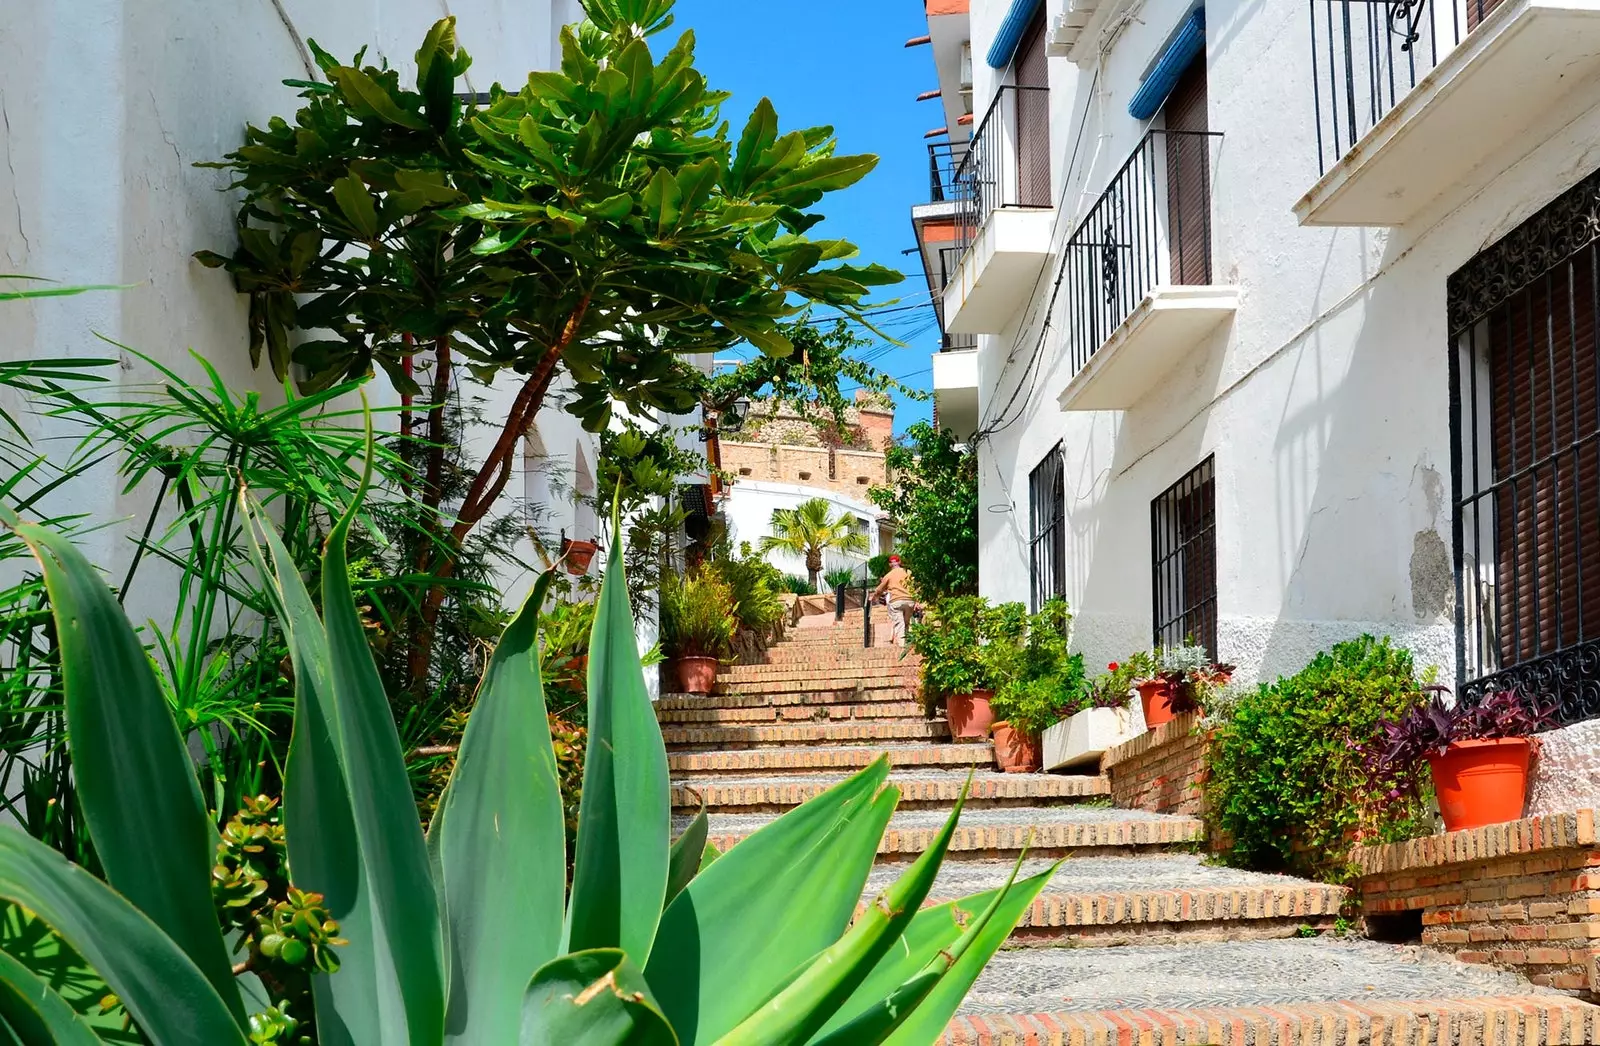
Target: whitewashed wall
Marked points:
105	105
748	511
1325	400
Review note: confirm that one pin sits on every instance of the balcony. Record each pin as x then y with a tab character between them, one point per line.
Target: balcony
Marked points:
1138	273
955	390
1412	97
1003	212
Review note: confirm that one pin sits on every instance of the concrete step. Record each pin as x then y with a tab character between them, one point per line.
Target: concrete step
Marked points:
997	832
765	712
687	738
1313	992
918	788
811	759
1149	899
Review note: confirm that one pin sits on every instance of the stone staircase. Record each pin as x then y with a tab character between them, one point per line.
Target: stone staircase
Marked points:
1203	954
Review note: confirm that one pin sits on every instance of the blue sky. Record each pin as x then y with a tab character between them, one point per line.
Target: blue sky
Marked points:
842	62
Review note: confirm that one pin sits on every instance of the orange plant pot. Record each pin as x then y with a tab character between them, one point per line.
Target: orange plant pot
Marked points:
1014	751
969	714
697	675
1155	697
1482	782
576	555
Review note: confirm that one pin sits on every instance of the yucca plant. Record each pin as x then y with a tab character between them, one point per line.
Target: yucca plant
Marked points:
470	934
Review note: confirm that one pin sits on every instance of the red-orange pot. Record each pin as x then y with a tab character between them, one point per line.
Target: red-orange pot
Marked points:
969	714
1155	696
1481	782
696	675
1014	751
576	555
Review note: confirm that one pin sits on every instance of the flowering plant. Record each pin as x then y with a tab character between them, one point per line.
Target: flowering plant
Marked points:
1190	674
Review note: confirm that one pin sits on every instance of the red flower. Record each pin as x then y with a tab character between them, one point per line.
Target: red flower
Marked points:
1112	666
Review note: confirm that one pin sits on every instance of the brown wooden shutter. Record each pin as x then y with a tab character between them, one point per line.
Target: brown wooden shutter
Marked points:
1031	68
1189	176
1477	11
1545	432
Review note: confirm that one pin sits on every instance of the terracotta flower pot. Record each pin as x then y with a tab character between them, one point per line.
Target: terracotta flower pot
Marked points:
1481	782
1155	696
576	555
696	675
1014	751
969	714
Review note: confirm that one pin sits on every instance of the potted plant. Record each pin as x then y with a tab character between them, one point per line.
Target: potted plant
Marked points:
697	627
1478	755
576	555
1022	709
1101	719
1178	680
954	667
1042	683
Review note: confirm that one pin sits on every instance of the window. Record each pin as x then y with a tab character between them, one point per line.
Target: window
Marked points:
1047	528
1189	176
1183	540
1525	413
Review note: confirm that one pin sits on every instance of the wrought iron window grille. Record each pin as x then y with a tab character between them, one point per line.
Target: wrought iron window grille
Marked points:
1183	554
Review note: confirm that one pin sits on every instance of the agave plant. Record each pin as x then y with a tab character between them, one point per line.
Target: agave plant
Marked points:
469	934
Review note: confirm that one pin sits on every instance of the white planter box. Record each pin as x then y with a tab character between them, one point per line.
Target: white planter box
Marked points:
1086	735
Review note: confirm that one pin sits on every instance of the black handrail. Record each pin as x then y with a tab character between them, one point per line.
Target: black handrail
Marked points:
1007	163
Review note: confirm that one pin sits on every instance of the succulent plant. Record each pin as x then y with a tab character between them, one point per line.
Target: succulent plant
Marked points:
469	934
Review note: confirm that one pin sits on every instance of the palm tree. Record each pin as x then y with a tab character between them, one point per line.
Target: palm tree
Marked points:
806	530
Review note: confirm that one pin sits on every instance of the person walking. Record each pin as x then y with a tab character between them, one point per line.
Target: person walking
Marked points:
896	588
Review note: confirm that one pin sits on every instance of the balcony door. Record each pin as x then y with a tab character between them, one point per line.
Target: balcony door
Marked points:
1031	69
1189	176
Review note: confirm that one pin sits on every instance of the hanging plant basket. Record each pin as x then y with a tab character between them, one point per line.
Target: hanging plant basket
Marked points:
577	555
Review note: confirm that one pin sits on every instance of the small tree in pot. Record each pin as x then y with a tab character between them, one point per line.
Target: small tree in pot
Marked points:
1478	754
1043	683
697	627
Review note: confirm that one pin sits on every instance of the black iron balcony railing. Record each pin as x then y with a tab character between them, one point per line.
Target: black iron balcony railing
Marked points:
1007	163
944	158
1366	55
1151	226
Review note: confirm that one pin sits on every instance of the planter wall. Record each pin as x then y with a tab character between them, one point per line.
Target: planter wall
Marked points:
1084	737
1160	770
1519	895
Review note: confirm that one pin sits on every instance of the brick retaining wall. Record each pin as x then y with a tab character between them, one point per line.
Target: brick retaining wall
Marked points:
1523	895
1161	770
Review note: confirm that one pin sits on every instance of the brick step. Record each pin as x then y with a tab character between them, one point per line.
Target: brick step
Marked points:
808	672
918	788
820	682
813	656
996	832
813	758
765	698
1110	901
686	738
794	713
1314	992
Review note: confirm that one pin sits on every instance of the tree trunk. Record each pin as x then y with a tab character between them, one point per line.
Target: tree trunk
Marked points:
814	566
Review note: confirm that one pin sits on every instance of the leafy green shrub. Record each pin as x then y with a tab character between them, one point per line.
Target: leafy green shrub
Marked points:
1288	783
619	957
934	503
697	615
1037	681
755	586
878	565
798	585
950	641
839	576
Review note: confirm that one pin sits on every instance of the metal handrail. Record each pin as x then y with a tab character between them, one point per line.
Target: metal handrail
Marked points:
991	175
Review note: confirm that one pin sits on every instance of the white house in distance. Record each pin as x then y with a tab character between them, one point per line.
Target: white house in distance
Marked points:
107	106
1283	327
780	459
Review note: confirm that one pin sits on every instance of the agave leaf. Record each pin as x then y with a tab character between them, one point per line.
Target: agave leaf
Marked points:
167	995
688	853
499	842
798	879
36	1015
797	1012
133	775
624	820
597	998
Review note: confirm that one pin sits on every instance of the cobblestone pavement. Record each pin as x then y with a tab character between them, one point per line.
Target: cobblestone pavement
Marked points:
910	820
1237	973
1095	875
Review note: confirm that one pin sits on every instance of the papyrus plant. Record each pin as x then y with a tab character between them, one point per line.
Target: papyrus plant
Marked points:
470	933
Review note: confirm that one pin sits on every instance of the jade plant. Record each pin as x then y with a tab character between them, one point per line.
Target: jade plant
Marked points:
468	933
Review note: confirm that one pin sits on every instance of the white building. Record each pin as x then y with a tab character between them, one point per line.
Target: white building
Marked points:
1284	326
105	107
747	514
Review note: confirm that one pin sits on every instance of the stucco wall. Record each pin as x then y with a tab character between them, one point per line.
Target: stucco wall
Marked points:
847	473
1566	772
1325	400
105	106
748	512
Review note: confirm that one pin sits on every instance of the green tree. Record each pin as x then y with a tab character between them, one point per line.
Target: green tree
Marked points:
808	530
597	222
934	503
